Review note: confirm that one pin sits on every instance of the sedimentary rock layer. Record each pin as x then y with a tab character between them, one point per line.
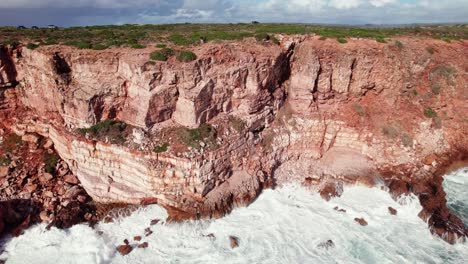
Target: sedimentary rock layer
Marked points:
308	110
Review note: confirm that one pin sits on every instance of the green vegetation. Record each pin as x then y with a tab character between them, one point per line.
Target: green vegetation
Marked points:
435	88
161	148
342	40
190	34
161	46
407	140
11	142
381	40
262	37
99	47
79	44
50	161
399	44
110	129
359	109
5	161
448	37
162	55
268	138
32	46
430	113
390	131
186	56
137	46
237	123
194	137
443	70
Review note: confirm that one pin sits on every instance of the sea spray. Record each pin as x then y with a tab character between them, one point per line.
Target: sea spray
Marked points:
286	225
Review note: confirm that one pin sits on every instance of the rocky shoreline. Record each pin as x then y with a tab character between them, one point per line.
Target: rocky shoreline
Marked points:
203	137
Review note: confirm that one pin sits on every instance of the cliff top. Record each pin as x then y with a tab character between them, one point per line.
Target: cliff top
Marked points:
140	36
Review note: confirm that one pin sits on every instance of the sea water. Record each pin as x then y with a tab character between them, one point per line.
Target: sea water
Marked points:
285	225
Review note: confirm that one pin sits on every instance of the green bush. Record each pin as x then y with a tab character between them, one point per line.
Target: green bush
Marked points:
158	56
137	46
430	113
435	88
359	109
381	40
186	56
162	148
79	44
407	140
161	46
342	40
111	129
390	131
32	46
50	161
193	137
262	37
99	47
4	161
179	39
162	55
399	44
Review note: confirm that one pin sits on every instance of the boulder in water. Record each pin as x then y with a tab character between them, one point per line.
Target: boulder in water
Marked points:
124	249
392	211
234	241
143	245
361	221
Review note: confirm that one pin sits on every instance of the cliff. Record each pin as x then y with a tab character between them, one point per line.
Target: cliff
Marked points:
309	110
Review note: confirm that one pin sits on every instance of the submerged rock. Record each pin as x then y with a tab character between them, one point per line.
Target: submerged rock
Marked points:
361	221
326	244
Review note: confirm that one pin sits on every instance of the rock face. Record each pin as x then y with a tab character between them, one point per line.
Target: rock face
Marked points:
307	110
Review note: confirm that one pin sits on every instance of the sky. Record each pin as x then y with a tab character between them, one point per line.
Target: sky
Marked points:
99	12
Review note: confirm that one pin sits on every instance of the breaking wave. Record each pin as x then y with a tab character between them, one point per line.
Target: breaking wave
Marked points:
285	225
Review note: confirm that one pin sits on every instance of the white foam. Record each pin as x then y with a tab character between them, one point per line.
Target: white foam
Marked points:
283	226
456	186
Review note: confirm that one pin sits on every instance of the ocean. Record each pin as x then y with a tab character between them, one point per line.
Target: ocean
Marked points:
285	225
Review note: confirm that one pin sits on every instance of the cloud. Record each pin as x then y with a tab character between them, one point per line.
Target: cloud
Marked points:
86	12
379	3
345	4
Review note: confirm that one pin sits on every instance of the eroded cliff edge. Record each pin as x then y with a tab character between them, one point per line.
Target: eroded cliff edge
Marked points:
307	110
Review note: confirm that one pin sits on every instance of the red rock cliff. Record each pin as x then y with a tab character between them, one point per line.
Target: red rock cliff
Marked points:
314	111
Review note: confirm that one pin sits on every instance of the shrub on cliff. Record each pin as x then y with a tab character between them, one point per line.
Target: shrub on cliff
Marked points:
161	148
79	44
5	160
162	55
262	37
342	40
32	46
186	56
50	161
99	47
137	46
194	137
110	129
430	113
